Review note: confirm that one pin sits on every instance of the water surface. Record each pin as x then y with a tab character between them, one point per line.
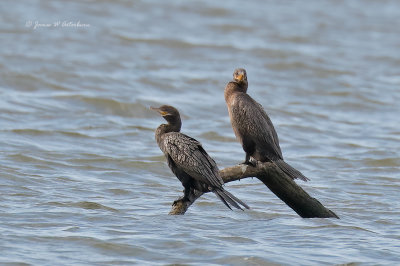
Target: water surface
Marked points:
83	182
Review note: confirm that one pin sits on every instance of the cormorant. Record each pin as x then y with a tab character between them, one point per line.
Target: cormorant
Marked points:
252	126
189	161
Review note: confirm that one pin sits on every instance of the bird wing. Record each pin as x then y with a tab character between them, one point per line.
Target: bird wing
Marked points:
258	125
268	122
178	172
189	156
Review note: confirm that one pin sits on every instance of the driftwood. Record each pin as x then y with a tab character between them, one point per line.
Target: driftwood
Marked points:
279	183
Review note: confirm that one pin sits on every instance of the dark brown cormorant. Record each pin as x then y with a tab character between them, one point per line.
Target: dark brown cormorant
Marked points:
252	126
189	161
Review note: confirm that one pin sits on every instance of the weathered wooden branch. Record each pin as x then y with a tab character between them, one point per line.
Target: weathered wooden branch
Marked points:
279	183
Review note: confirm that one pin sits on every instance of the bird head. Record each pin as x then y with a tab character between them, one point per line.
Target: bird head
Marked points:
240	76
168	112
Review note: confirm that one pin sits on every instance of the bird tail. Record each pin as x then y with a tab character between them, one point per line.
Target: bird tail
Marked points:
228	199
290	171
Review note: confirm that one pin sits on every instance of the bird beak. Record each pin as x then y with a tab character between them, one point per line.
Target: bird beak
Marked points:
163	113
240	76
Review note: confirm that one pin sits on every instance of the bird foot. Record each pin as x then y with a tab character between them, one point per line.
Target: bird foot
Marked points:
176	202
181	199
250	162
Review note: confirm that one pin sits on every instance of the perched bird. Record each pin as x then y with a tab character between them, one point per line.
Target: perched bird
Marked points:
252	126
189	161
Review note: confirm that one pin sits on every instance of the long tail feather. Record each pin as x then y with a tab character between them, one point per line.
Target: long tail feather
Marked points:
237	200
290	171
222	199
227	198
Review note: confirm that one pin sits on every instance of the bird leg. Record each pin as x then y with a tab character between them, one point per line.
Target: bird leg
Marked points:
186	196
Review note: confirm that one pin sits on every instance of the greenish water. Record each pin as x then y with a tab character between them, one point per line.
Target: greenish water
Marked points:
82	181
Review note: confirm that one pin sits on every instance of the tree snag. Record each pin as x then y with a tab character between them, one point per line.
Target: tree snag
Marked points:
278	182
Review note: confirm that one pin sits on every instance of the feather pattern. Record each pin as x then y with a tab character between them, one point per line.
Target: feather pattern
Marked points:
188	155
250	121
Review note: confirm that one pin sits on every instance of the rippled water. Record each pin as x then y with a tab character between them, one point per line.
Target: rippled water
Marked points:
82	180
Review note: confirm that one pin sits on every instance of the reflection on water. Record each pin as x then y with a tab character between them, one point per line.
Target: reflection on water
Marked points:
83	181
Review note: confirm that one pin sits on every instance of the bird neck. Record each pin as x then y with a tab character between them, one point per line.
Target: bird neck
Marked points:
172	126
235	87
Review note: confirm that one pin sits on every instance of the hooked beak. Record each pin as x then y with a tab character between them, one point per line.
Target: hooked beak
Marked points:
240	76
163	113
